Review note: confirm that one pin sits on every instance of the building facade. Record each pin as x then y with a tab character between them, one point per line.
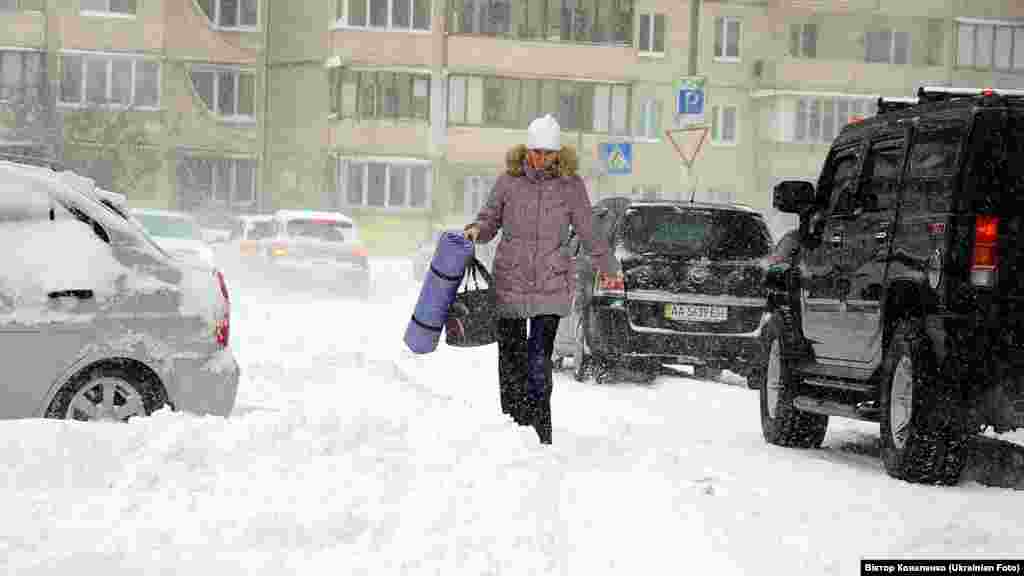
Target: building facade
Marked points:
400	112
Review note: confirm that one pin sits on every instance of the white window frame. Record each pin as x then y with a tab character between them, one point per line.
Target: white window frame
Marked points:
236	118
342	174
1016	36
892	47
229	199
110	57
21	50
214	20
341	23
649	107
801	27
717	116
650	52
725	20
855	106
108	13
476	187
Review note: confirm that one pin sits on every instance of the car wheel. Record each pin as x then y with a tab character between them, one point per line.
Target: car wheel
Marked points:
922	426
581	353
107	392
782	424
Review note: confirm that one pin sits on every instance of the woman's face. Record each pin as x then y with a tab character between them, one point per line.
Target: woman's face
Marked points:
541	159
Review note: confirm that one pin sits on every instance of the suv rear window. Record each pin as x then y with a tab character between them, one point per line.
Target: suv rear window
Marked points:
694	233
325	230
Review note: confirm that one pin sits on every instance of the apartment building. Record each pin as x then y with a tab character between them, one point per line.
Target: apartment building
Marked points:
158	99
400	111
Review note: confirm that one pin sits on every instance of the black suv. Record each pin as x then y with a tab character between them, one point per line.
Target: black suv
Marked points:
902	302
693	291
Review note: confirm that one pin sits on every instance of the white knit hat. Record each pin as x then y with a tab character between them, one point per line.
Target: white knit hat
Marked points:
544	134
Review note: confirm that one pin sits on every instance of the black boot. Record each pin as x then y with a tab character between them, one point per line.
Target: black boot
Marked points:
542	421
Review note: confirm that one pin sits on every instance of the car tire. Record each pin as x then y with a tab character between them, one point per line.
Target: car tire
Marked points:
131	391
782	424
922	427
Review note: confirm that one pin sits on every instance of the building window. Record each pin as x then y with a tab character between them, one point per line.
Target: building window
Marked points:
384	183
22	75
232	13
127	81
590	21
373	94
514	102
649	119
652	34
990	46
476	190
21	5
229	93
803	40
727	38
384	14
887	46
111	7
723	124
205	181
819	120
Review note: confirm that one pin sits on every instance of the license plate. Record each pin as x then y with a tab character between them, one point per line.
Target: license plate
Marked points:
695	313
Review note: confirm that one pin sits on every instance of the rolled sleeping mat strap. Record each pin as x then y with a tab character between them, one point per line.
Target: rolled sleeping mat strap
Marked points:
440	284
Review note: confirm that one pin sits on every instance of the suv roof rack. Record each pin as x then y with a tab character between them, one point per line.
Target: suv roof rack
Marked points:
927	94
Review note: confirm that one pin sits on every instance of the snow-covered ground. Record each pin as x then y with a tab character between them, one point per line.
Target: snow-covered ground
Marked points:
347	455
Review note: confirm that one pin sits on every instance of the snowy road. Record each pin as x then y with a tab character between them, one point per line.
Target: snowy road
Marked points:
346	455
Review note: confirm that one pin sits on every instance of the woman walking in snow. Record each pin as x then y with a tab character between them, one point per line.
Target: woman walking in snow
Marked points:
533	203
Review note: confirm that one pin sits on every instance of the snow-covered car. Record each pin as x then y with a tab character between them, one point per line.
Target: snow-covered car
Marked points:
319	250
691	293
176	232
98	321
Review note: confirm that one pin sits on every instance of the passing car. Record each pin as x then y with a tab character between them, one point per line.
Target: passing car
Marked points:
904	304
176	232
98	322
691	292
319	250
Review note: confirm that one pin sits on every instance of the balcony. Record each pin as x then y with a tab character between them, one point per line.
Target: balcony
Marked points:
382	48
848	76
514	57
193	35
382	137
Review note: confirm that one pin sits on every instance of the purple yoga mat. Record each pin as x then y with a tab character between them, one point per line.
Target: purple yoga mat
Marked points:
440	284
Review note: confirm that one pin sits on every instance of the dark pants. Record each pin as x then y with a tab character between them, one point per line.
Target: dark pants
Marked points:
525	371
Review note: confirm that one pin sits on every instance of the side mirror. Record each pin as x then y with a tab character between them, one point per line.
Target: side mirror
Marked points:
793	196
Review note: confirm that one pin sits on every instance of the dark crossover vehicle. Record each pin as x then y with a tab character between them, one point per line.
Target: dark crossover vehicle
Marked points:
903	302
691	293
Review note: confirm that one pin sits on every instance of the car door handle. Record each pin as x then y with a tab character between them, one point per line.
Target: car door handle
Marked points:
882	235
836	239
80	294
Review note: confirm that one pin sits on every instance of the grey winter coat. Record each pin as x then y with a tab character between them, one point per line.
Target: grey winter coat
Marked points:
534	210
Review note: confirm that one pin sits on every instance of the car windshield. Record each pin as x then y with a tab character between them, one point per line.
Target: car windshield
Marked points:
169	226
694	233
319	229
261	230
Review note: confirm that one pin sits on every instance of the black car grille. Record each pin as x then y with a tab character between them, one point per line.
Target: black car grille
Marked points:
739	320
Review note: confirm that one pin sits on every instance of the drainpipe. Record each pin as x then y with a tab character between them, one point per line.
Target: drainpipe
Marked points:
261	201
695	6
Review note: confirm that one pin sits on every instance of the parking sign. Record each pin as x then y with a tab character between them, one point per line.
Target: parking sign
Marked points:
690	98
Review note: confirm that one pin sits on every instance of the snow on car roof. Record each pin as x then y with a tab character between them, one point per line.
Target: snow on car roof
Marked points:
256	217
165	213
296	214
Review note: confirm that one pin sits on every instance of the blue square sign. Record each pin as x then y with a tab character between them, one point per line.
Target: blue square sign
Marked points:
617	157
690	97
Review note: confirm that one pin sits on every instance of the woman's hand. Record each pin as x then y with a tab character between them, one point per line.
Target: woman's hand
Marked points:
471	232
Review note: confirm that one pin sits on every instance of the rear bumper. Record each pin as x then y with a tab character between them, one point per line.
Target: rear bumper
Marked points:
616	336
206	386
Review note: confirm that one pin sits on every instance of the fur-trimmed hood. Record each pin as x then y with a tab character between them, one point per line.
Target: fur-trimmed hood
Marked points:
567	162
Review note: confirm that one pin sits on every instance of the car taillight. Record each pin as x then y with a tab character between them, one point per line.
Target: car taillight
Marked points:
985	258
360	251
610	283
223	329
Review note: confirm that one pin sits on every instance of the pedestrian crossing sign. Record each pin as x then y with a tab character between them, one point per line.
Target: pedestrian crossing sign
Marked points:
617	158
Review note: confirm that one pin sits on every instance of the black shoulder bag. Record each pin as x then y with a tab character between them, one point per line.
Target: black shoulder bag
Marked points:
471	317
